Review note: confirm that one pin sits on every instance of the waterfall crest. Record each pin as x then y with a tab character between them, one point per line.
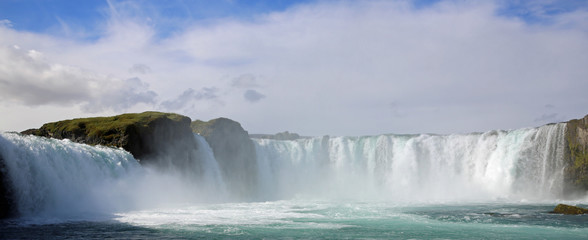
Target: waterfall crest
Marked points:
518	164
62	178
59	177
55	176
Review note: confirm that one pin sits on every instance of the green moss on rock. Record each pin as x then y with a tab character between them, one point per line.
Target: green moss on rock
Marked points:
576	173
142	134
206	128
569	210
278	136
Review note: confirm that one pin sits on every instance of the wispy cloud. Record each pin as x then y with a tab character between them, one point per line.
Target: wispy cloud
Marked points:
27	77
140	69
253	96
5	23
245	81
189	97
464	64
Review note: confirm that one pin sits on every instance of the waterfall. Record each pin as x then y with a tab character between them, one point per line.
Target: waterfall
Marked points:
520	164
60	178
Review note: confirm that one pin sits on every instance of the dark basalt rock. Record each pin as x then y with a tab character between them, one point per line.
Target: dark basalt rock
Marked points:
234	152
569	210
576	172
151	137
6	202
163	140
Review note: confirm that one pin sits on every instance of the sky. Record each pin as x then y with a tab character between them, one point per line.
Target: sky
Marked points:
312	67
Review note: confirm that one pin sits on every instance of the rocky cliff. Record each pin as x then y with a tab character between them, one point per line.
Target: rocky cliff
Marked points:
152	137
163	140
166	139
234	152
6	201
576	173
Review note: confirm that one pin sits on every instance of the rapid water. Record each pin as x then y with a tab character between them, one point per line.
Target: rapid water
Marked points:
60	179
524	164
304	219
498	184
52	177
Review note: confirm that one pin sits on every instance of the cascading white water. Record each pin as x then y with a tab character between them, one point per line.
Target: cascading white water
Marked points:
59	177
65	179
516	165
211	179
53	176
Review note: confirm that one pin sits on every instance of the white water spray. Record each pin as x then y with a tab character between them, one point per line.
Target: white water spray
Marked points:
514	165
52	176
64	179
59	177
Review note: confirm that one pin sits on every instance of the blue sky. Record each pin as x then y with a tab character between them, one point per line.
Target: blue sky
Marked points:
312	67
48	15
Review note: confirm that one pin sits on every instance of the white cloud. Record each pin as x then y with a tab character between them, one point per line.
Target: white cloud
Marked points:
121	95
344	68
5	23
27	77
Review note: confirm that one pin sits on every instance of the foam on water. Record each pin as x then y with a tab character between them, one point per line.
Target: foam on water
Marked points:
57	177
493	185
378	220
255	213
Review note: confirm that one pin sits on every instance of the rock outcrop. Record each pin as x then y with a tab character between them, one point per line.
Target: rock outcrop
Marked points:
278	136
569	210
152	137
6	201
576	172
163	140
234	152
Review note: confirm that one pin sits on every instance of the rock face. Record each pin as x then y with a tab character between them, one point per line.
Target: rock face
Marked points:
6	201
576	173
569	210
152	137
163	140
234	152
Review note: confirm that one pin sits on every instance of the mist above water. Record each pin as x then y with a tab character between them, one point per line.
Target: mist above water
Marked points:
64	179
59	177
524	164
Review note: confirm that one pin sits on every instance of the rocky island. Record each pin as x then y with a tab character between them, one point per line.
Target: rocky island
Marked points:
569	210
